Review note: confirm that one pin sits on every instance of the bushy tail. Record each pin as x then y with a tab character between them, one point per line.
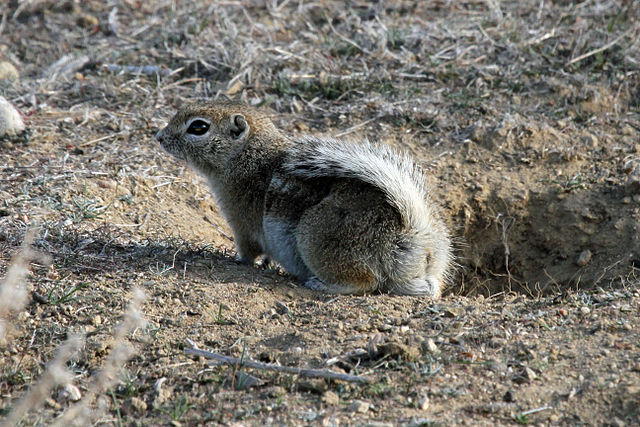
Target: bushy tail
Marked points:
398	177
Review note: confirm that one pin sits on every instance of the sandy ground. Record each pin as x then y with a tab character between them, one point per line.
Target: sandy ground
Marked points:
525	115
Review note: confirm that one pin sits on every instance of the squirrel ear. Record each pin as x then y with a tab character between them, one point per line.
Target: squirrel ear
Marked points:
239	127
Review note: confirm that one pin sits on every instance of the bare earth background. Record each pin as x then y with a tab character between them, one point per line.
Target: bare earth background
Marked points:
526	114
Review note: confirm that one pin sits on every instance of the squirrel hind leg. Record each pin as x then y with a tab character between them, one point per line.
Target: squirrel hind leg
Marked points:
343	238
421	286
317	284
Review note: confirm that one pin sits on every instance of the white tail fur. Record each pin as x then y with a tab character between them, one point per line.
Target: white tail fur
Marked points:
404	185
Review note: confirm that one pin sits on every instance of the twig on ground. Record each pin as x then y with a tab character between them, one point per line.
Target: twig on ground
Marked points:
536	410
289	54
138	69
603	48
3	21
358	126
535	40
113	21
218	228
65	66
144	221
102	138
506	223
345	38
316	373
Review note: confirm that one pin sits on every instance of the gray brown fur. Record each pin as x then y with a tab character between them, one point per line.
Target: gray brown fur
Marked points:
343	217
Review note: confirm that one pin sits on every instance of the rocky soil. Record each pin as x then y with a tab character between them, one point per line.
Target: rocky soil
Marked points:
525	115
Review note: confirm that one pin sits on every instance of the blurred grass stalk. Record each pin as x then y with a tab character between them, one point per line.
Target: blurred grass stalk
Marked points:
14	295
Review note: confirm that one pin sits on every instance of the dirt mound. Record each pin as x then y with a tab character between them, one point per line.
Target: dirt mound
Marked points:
541	209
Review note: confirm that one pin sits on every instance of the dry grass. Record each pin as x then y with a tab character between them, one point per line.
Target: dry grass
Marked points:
14	296
13	289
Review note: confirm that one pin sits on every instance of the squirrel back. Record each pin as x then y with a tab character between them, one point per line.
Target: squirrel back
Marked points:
403	184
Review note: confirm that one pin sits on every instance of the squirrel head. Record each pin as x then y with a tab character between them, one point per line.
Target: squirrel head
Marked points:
206	134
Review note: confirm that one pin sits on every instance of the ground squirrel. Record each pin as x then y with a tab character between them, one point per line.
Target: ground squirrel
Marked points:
344	217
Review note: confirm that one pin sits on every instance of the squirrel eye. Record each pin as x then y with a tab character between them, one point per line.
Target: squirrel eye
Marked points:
198	127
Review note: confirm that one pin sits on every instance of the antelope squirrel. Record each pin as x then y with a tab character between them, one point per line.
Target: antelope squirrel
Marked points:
343	217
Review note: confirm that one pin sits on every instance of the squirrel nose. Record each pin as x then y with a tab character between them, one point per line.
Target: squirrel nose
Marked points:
159	135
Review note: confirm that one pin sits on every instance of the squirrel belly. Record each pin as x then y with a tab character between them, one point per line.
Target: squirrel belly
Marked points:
343	217
355	218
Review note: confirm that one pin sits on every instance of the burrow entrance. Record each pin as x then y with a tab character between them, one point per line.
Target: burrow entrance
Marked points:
538	242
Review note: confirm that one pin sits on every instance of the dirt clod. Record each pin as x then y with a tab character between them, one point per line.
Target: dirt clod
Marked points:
397	349
330	398
590	140
358	406
633	183
8	72
318	386
134	406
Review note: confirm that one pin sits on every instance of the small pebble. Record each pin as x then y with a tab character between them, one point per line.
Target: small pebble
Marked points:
629	166
8	71
423	403
529	374
106	183
87	21
358	406
617	422
431	346
585	310
632	390
330	398
11	123
451	312
498	367
282	308
69	393
385	327
590	140
584	258
627	129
